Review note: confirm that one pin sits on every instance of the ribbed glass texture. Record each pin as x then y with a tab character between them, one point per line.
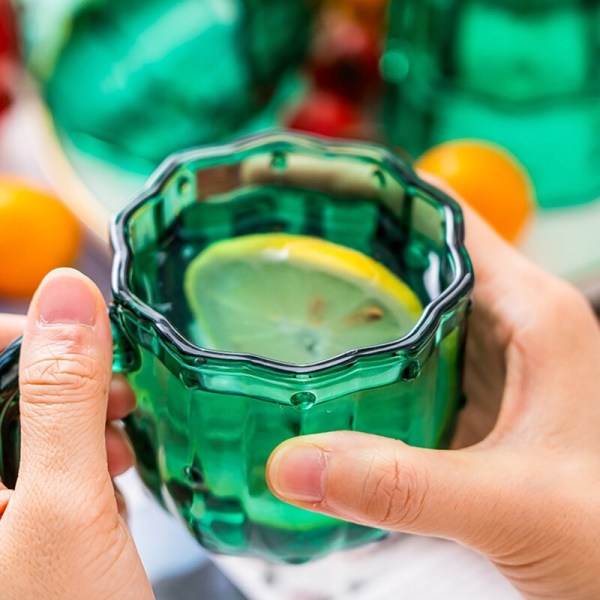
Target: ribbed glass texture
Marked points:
207	421
134	80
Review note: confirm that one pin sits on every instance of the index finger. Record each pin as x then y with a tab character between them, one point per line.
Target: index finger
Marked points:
11	327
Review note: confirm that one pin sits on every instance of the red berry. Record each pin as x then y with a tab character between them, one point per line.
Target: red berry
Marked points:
8	52
345	58
327	114
8	34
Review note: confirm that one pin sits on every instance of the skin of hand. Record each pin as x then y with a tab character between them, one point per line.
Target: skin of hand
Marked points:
61	534
522	482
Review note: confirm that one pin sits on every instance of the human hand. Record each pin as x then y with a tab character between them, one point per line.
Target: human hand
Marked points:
525	491
61	535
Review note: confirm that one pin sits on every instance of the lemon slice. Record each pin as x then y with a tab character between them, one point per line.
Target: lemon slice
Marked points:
295	299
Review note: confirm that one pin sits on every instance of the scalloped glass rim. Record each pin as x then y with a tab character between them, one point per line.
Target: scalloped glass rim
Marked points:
432	314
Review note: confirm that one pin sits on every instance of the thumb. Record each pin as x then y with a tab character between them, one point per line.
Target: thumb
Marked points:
65	371
384	483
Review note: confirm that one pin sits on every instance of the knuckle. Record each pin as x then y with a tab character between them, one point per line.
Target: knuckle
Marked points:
565	298
394	493
560	310
66	375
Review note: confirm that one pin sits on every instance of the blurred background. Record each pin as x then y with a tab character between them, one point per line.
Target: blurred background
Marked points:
100	92
94	94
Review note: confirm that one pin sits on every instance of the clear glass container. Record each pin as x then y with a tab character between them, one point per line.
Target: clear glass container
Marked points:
207	420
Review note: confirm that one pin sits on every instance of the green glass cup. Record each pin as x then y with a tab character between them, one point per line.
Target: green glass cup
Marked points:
520	73
134	80
207	420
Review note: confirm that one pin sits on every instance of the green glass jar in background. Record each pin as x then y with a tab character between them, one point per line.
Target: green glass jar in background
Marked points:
522	73
134	80
207	420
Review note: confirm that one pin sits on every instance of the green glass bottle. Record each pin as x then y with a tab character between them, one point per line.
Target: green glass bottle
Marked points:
135	80
207	419
521	73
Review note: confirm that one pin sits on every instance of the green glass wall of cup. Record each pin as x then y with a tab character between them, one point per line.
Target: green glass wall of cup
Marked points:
209	415
134	80
521	73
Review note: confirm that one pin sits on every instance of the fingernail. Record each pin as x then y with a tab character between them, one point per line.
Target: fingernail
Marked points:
66	299
296	472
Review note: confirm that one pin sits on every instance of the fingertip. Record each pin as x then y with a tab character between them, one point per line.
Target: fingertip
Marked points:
121	398
121	503
119	451
295	472
66	297
11	327
67	314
